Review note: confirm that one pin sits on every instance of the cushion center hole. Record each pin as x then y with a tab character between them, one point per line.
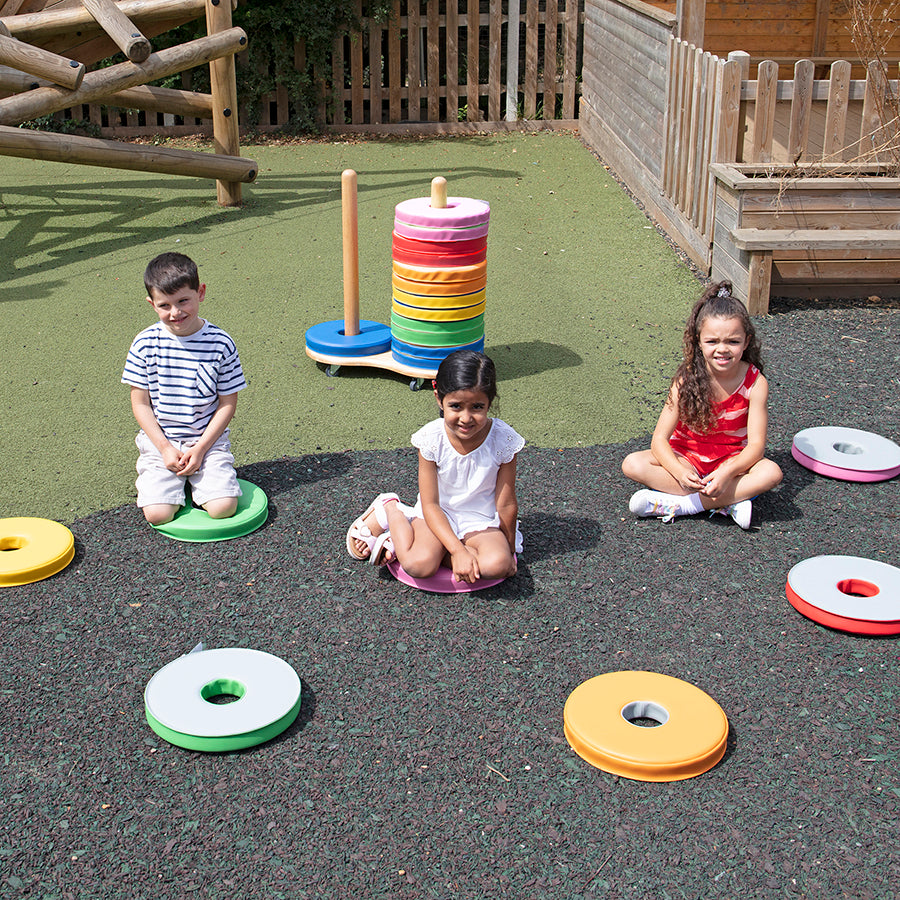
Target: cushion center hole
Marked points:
222	690
848	448
12	543
856	587
645	714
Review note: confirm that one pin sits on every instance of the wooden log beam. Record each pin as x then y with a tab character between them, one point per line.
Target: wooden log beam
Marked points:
36	27
191	104
12	81
42	63
46	100
120	28
67	148
165	100
91	44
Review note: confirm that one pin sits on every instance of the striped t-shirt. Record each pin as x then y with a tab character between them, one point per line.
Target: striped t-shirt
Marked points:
184	375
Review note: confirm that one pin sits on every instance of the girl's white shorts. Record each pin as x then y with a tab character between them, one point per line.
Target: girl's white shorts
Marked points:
215	478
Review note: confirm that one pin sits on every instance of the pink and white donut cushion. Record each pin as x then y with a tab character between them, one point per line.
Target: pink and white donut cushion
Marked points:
846	453
440	232
849	593
460	212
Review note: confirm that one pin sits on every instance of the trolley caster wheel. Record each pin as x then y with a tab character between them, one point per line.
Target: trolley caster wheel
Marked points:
416	384
332	370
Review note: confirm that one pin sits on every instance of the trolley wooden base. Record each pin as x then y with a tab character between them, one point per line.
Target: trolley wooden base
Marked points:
385	360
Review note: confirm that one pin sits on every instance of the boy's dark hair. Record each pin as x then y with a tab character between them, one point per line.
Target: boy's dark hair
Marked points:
170	272
466	370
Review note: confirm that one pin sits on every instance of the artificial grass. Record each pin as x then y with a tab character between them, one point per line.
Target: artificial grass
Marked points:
585	302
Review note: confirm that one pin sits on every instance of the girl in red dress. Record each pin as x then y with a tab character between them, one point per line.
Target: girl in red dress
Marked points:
708	445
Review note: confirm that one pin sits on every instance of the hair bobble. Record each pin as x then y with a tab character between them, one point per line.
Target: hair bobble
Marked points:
723	292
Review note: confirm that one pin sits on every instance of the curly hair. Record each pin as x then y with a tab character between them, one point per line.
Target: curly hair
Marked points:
692	379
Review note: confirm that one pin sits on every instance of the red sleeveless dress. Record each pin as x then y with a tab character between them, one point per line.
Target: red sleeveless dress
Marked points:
727	436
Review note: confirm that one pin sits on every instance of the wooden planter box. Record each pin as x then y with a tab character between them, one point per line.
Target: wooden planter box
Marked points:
823	236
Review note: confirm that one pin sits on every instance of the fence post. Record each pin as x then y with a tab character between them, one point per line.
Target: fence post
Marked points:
452	62
473	27
395	89
531	36
357	96
570	54
512	61
764	118
836	110
550	40
731	76
693	22
801	110
432	70
743	59
873	138
376	72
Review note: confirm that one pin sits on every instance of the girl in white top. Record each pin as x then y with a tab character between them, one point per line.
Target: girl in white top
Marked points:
466	511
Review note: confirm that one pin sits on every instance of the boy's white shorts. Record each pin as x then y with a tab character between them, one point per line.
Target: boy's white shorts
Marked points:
215	478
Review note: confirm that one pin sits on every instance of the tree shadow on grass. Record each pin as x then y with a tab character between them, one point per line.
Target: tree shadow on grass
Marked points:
50	218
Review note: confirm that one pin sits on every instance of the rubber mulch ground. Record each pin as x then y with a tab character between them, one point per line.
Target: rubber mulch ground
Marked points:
429	758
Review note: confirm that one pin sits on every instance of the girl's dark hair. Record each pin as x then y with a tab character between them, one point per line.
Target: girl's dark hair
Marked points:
695	403
168	273
466	370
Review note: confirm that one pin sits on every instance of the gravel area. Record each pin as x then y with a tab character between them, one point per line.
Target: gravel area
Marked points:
429	758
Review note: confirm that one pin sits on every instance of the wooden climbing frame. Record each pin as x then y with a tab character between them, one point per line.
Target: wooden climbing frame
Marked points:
47	47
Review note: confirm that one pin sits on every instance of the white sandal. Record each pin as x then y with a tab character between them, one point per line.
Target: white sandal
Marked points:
381	546
359	531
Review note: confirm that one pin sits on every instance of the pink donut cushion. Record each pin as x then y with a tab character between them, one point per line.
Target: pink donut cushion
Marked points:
847	453
821	468
440	233
441	582
460	212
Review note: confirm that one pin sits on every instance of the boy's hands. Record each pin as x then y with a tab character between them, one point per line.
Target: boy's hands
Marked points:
191	460
185	462
172	458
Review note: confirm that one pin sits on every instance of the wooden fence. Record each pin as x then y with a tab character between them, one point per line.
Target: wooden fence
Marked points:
716	114
435	65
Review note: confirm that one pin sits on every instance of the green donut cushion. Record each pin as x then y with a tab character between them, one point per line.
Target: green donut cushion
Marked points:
436	334
193	524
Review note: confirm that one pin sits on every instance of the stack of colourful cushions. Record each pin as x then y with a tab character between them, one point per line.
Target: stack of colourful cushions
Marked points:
439	274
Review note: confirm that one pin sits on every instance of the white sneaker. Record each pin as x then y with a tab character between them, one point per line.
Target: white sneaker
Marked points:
740	512
646	503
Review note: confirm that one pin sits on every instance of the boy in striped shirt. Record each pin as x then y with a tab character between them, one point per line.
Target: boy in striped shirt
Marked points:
184	374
